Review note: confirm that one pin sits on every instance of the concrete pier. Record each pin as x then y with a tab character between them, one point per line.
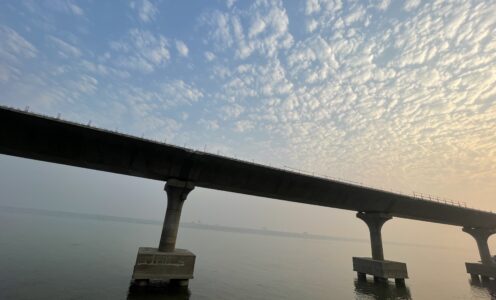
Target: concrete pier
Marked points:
166	263
375	221
376	266
486	269
42	138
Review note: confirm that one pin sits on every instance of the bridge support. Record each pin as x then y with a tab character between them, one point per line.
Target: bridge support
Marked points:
487	267
166	263
376	266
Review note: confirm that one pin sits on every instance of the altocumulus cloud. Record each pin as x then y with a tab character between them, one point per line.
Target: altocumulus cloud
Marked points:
141	50
393	93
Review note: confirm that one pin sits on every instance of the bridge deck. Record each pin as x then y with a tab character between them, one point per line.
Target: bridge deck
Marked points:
49	139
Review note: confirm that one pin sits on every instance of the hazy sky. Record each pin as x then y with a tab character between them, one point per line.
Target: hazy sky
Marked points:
393	94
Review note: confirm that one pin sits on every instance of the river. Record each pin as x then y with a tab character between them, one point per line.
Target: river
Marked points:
70	256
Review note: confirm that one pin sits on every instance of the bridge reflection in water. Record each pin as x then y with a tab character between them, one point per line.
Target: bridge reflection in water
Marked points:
379	290
376	290
162	292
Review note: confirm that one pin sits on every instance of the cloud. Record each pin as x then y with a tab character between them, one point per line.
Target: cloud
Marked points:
85	84
182	48
312	6
13	46
384	4
231	111
266	33
8	73
404	100
355	15
180	92
66	50
146	10
312	25
158	97
220	28
141	50
230	3
257	27
209	124
209	56
394	97
154	111
411	4
242	126
65	6
75	9
15	50
103	70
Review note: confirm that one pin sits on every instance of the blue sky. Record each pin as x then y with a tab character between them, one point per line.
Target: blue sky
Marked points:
394	94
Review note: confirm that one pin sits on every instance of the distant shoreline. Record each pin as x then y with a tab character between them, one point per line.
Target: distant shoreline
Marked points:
199	226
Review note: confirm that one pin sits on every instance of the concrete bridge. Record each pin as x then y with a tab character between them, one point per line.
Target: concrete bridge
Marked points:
38	137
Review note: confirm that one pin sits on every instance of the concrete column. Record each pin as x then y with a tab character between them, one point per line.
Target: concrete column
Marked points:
177	191
362	276
481	235
374	221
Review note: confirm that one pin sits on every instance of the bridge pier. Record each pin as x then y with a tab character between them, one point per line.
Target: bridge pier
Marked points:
166	263
487	267
376	266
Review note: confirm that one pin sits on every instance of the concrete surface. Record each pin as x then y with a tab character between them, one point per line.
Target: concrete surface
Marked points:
481	235
383	269
49	139
478	269
154	265
177	191
374	222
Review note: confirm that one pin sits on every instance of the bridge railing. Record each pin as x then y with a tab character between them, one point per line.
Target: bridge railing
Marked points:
415	195
285	168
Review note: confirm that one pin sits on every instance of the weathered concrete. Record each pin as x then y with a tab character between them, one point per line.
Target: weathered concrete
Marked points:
380	269
477	269
153	265
375	221
361	276
481	235
177	191
49	139
167	263
376	266
487	267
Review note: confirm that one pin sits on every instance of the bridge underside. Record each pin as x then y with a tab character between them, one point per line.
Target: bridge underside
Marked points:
48	139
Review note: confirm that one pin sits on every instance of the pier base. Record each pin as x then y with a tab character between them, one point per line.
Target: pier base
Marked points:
382	270
484	271
362	276
174	267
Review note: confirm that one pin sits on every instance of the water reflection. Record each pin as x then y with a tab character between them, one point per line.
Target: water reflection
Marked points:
481	286
381	290
158	292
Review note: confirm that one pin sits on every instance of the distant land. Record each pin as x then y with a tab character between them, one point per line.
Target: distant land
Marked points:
199	226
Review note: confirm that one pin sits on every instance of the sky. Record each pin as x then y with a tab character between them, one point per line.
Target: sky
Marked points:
399	95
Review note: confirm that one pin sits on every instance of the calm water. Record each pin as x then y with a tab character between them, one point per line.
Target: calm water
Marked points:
47	257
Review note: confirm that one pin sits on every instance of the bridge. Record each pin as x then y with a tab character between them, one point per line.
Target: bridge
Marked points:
50	139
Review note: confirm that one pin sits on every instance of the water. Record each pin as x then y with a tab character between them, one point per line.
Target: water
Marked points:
67	257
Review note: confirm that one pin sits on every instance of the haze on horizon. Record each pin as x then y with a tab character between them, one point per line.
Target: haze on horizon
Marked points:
394	94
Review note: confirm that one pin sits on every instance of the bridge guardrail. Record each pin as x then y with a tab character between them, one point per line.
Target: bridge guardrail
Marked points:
414	195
